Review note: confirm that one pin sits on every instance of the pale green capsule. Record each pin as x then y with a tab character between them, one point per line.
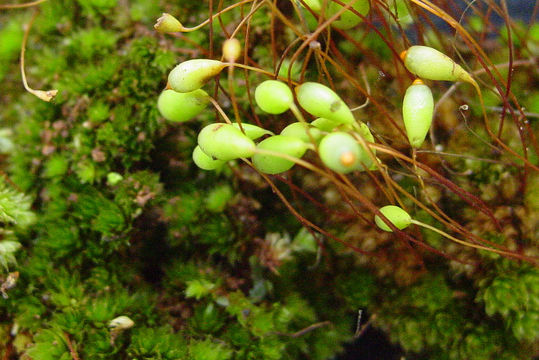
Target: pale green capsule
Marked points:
340	152
417	111
168	24
273	97
253	132
348	19
204	161
270	164
315	5
324	124
180	107
191	75
365	133
321	101
225	142
429	63
302	131
397	216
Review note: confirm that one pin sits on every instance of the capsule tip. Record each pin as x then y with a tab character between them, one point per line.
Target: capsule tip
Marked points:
347	158
418	82
403	54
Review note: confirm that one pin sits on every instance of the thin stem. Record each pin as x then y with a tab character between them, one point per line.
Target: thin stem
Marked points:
20	6
367	88
246	18
47	95
297	113
220	109
268	73
211	18
446	235
233	95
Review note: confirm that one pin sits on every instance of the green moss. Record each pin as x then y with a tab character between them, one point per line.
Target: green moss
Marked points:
118	222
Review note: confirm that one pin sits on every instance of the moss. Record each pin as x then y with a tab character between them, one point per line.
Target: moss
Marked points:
117	221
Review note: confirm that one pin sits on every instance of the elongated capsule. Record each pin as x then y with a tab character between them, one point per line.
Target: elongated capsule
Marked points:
324	124
271	164
274	97
321	101
204	161
397	216
417	111
168	24
191	75
429	63
180	107
340	152
253	132
348	19
302	131
231	49
225	142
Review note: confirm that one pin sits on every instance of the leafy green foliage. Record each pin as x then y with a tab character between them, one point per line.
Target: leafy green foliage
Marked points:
515	296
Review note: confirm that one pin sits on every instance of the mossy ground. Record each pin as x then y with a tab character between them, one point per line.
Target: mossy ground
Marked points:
116	219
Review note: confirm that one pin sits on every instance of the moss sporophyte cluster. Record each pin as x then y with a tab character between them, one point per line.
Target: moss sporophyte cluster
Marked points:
344	170
341	141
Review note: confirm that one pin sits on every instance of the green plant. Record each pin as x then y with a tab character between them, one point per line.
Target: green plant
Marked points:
209	264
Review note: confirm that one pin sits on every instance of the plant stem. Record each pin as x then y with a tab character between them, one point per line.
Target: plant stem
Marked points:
43	95
458	241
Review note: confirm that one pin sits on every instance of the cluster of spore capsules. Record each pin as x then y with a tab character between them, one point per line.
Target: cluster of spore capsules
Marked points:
340	140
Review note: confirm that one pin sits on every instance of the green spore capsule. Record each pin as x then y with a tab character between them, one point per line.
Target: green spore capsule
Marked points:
348	19
417	111
398	217
191	75
321	101
429	63
340	152
180	107
302	131
365	132
271	164
253	132
324	124
204	161
225	142
314	5
273	97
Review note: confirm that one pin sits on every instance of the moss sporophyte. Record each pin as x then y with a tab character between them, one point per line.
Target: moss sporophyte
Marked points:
342	143
412	209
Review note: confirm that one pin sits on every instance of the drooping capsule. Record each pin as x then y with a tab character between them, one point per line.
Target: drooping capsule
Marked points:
225	142
348	18
431	64
168	24
180	107
417	111
340	152
396	215
231	49
253	132
272	164
191	75
302	131
204	161
324	124
321	101
273	97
